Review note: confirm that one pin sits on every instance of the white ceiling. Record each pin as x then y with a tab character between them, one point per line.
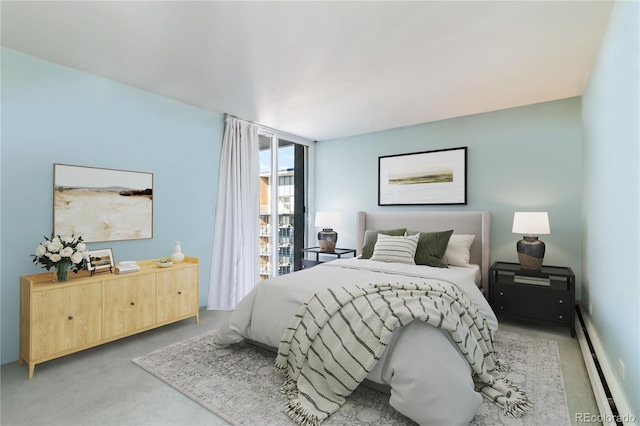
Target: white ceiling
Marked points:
324	70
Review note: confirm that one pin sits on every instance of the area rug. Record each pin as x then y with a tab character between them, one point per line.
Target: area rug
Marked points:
239	384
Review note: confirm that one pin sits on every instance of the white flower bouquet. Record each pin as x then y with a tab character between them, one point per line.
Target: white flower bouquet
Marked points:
63	253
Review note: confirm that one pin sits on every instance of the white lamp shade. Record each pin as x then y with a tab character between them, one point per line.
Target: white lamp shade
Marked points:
531	223
327	220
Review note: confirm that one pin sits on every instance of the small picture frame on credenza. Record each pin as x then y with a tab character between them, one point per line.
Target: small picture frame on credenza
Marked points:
100	260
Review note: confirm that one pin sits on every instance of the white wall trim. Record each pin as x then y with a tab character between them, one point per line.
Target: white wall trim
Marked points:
626	416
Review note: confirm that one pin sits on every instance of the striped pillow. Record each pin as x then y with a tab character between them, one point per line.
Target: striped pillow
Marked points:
371	236
395	249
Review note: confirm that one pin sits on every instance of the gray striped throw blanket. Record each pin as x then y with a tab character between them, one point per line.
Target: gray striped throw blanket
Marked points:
337	337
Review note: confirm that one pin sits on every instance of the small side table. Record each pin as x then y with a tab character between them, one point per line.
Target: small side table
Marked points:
546	296
309	263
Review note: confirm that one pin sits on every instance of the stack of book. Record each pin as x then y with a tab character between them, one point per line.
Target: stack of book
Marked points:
127	269
528	279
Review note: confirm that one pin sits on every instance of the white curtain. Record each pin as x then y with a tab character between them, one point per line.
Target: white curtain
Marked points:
234	264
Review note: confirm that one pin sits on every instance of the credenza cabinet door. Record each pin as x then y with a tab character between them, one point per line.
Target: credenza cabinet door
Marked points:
177	294
66	318
130	305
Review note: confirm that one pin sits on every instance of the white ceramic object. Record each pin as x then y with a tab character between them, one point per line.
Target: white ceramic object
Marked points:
177	255
127	263
164	264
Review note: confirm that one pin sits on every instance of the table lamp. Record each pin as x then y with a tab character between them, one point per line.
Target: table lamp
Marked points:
327	238
530	249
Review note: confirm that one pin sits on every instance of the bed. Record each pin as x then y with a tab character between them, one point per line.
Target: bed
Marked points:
428	379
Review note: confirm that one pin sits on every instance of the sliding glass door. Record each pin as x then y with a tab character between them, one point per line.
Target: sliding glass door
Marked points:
283	195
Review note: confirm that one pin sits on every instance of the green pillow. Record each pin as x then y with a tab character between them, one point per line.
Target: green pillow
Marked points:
431	248
371	236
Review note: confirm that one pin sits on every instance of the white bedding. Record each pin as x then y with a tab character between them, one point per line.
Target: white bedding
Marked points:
472	271
430	380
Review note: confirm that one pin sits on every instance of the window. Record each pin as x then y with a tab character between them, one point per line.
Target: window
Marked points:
283	223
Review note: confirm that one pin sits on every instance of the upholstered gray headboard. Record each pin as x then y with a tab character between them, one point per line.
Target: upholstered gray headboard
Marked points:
462	222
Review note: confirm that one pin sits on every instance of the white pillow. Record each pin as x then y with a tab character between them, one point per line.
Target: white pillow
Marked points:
395	249
458	250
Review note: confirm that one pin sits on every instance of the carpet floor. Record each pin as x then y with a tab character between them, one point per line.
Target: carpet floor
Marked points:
239	384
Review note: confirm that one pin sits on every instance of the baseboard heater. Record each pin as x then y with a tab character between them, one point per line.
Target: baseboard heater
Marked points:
609	412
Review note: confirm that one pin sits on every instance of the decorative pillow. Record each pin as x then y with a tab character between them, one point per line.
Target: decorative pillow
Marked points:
395	249
431	248
459	250
371	236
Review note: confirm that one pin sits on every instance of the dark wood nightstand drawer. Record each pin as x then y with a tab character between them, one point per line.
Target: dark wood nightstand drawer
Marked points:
307	263
559	313
531	294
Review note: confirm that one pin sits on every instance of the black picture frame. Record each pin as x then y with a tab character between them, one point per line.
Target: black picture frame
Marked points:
437	177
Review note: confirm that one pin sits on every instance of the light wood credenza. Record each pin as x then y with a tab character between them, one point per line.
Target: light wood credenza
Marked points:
58	319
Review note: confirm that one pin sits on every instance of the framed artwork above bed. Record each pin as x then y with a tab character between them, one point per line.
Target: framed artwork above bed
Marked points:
423	178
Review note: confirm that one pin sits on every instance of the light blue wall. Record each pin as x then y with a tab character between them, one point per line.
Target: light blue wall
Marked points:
612	196
526	158
52	114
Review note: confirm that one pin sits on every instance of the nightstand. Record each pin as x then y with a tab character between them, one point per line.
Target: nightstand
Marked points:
335	254
546	296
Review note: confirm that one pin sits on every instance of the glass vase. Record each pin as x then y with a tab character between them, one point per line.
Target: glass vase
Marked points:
62	272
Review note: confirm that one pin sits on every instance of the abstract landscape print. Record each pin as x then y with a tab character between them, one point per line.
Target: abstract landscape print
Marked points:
420	178
102	204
